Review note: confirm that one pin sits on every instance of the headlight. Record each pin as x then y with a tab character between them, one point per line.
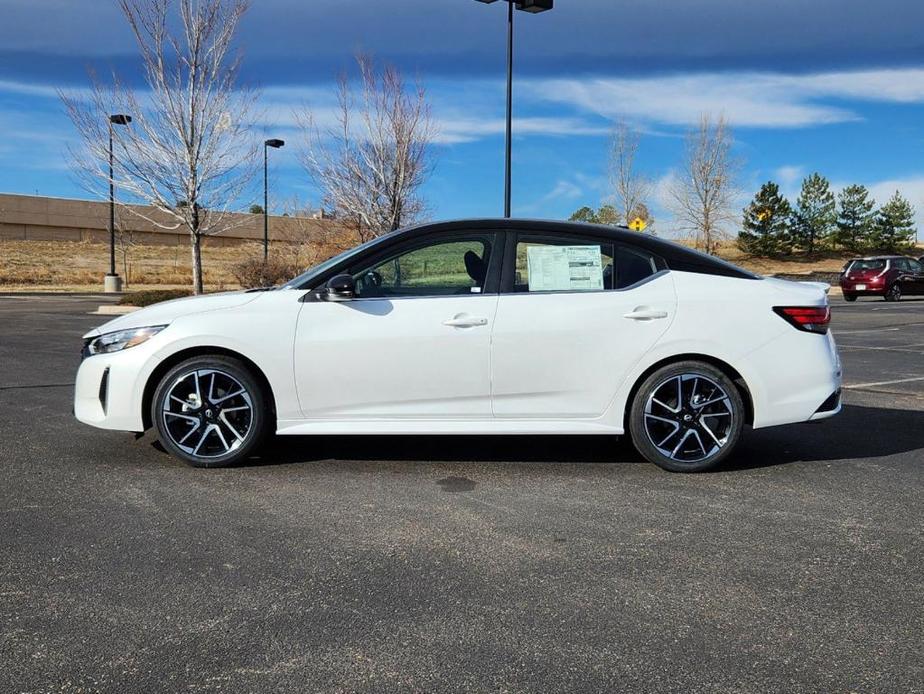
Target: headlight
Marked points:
122	339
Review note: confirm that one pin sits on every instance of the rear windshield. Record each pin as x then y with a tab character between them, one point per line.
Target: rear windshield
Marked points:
860	265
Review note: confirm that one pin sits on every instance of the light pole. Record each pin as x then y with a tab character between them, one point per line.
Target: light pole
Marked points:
534	7
276	144
112	281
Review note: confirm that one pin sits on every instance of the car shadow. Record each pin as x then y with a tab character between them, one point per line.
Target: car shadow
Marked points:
858	432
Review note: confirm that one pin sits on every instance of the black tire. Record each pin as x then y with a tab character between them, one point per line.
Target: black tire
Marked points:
651	423
218	408
850	297
894	293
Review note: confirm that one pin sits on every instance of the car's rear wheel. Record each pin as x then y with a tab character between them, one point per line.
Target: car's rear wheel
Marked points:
686	417
209	411
894	293
850	297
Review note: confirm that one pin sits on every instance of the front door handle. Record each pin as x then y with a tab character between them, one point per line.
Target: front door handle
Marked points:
465	321
643	313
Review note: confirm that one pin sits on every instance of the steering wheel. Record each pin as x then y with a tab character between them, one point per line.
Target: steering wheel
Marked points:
373	278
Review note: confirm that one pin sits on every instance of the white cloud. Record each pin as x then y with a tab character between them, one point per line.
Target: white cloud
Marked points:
912	188
789	176
453	130
747	99
468	110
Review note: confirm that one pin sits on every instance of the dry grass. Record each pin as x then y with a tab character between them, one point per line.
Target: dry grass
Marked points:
80	266
827	261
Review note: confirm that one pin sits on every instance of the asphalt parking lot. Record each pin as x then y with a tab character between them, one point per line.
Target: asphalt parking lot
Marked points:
454	564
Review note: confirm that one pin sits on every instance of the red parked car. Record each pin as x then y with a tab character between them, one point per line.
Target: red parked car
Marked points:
888	276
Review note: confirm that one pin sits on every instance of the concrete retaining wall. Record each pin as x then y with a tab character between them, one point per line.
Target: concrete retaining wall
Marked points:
35	218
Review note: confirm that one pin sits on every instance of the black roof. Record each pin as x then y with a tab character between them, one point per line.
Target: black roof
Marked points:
677	256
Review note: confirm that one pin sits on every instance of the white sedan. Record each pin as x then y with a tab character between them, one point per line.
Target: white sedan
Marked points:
476	327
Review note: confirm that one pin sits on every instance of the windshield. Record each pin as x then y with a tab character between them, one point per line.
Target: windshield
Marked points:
866	265
306	277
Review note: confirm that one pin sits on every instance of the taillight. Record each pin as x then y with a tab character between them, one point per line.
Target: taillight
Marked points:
811	319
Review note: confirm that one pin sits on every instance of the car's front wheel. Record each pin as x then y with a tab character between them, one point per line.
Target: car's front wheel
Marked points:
686	417
209	411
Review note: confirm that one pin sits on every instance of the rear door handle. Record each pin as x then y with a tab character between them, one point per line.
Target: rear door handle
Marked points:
464	321
645	314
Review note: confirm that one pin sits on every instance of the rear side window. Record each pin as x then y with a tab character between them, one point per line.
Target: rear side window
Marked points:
573	264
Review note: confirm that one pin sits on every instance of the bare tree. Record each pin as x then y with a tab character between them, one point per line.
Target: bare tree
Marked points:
308	238
371	162
702	194
187	154
125	241
629	189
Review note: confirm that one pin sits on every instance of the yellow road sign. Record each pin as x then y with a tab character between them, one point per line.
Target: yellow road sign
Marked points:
638	224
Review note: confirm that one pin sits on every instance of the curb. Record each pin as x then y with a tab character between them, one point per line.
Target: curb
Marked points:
110	310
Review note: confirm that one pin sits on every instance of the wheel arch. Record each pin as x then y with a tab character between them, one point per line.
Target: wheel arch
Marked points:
200	351
721	365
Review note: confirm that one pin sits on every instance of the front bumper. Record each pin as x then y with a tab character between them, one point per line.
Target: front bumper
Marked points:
109	388
102	396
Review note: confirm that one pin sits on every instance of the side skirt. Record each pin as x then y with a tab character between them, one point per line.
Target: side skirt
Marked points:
484	427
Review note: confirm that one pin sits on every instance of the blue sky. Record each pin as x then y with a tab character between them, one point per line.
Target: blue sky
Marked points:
830	85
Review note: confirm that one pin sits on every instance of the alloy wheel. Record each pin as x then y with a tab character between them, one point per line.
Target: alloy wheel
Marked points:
688	417
207	413
894	293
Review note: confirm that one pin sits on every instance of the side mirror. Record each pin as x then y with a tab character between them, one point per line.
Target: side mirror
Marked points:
340	288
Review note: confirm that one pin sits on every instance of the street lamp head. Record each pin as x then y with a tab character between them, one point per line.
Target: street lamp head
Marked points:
274	143
120	119
535	6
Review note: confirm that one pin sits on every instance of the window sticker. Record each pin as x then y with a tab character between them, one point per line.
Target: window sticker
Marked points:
564	268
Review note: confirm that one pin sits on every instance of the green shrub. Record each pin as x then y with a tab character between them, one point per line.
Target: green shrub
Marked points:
152	296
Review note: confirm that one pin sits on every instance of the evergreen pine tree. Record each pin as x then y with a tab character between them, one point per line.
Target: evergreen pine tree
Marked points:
894	229
766	223
815	217
855	218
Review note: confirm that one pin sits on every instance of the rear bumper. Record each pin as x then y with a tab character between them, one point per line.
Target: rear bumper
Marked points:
829	407
805	376
850	288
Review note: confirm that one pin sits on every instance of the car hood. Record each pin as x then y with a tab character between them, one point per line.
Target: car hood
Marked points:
167	311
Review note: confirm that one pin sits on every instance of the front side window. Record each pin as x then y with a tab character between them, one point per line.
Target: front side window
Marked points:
577	265
440	268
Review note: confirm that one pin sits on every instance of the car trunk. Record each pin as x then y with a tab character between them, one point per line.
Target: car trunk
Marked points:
865	271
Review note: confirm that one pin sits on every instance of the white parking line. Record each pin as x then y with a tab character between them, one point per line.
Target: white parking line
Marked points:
881	349
870	330
884	383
